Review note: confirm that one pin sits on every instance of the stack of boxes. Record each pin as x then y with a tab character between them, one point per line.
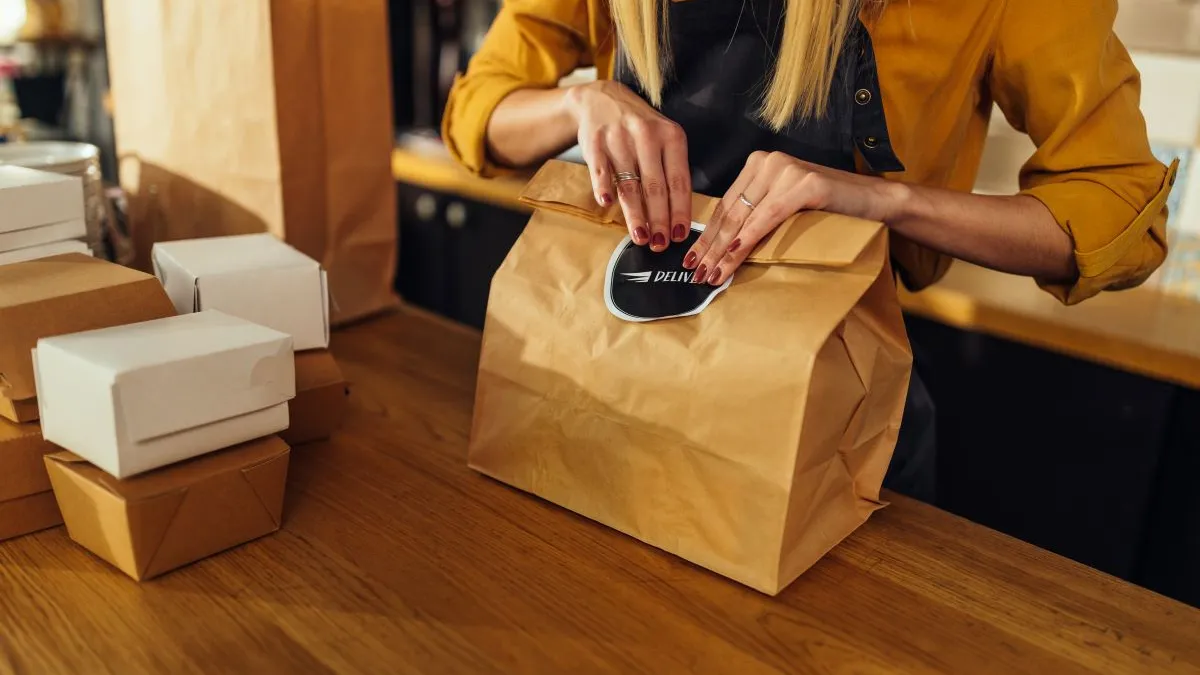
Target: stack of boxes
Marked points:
170	426
61	294
170	423
41	214
26	503
261	279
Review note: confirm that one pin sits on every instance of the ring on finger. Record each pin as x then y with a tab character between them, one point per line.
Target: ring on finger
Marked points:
626	176
743	199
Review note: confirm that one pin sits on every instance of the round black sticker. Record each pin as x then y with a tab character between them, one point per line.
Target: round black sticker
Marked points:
642	285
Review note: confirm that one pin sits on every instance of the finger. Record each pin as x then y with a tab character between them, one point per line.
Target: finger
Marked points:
766	215
600	170
712	230
629	192
691	261
679	183
736	215
786	197
654	186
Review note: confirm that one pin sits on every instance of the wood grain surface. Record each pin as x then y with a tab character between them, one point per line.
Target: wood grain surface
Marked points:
395	558
1142	331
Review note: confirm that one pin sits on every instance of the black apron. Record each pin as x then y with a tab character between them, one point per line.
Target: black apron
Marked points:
722	55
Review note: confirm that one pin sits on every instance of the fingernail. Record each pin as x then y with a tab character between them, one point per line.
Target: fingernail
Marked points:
680	233
659	241
715	276
737	243
640	234
698	277
605	200
689	261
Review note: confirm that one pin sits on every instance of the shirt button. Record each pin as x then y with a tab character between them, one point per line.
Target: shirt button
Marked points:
871	142
862	97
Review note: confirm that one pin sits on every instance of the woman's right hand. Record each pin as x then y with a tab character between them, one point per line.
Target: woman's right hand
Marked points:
621	133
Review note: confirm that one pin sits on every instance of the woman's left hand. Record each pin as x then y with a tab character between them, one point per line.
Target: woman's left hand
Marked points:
777	186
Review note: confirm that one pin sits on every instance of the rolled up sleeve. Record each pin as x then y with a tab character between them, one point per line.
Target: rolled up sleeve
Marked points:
1062	76
532	44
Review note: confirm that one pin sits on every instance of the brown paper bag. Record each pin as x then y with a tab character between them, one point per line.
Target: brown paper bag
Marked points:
241	116
749	438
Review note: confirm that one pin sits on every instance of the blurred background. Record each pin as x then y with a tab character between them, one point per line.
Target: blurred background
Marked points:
1076	429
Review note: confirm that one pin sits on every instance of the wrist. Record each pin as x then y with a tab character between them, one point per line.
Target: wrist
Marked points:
575	99
898	204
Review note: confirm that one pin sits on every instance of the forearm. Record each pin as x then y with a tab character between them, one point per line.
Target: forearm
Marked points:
1015	234
530	126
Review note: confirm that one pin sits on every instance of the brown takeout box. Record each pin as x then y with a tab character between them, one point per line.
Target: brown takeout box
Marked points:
749	438
26	503
159	521
59	295
320	403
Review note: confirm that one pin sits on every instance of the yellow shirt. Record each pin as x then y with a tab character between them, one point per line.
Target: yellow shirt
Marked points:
1054	67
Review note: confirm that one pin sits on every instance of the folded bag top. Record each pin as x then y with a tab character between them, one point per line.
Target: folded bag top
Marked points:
808	238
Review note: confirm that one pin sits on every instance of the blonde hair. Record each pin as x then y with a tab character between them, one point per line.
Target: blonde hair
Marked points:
814	32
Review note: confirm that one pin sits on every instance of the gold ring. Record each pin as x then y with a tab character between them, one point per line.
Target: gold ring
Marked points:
625	176
747	202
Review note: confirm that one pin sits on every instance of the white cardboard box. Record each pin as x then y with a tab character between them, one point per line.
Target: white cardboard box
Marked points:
43	234
134	398
44	251
253	276
31	198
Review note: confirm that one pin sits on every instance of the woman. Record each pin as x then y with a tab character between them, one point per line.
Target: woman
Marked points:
876	110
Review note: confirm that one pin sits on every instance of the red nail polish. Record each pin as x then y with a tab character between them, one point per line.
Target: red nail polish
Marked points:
605	199
715	276
680	233
640	234
689	261
737	243
698	277
659	241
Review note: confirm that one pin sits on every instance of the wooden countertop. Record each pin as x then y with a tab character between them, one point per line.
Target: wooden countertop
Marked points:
1142	331
395	558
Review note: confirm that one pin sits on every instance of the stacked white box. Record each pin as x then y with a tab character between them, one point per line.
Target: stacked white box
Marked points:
134	398
41	214
255	277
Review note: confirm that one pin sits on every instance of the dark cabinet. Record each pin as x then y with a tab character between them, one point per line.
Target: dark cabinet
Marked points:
1059	452
450	247
1171	560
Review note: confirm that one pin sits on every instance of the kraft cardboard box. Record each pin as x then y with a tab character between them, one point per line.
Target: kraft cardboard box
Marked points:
320	403
162	520
26	410
32	198
29	514
134	398
26	502
253	276
58	295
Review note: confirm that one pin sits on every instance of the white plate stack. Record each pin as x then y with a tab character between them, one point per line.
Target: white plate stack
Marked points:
41	214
